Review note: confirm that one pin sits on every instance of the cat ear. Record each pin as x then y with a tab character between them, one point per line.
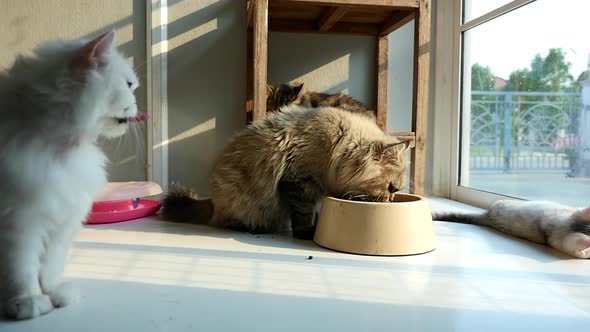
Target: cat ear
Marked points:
94	53
269	90
297	91
392	149
396	148
585	213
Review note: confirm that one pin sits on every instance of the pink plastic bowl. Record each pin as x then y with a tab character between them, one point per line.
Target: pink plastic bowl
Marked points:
116	211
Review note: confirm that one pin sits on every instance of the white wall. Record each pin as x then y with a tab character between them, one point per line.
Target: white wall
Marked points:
206	84
338	63
27	23
400	78
324	63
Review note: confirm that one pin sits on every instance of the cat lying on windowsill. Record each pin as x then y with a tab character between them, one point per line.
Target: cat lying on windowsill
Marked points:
563	228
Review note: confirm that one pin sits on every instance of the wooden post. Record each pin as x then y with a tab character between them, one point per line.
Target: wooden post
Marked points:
249	63
260	58
420	102
382	71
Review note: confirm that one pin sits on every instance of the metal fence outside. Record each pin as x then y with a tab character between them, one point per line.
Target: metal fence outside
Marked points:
535	131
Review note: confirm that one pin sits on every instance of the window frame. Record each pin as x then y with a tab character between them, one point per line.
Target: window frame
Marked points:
446	143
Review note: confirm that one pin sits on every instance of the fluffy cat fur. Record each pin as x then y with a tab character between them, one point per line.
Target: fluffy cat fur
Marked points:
54	105
563	228
278	168
286	94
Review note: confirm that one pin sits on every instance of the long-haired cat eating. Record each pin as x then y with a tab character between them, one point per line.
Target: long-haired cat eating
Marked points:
54	105
278	169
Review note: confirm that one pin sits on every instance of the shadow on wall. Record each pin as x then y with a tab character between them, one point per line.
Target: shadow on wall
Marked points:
324	63
28	23
207	71
206	84
128	154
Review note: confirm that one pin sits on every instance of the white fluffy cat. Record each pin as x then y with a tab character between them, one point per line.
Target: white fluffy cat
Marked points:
53	107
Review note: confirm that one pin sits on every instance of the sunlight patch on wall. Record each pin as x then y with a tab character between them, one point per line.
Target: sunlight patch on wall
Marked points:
199	129
26	24
124	34
178	10
184	8
192	34
332	73
185	37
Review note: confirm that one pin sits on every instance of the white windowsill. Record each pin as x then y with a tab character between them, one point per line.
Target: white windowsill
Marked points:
149	275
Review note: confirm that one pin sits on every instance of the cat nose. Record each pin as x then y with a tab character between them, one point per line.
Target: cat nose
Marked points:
391	188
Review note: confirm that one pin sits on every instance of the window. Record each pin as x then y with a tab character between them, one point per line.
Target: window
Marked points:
524	100
476	8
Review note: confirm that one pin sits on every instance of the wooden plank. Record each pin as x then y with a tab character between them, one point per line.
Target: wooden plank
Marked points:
396	21
250	12
404	136
314	13
420	104
357	3
249	75
373	15
382	72
331	17
363	29
260	59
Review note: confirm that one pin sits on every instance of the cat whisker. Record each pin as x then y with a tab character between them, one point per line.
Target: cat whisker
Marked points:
140	65
140	138
118	144
354	194
349	193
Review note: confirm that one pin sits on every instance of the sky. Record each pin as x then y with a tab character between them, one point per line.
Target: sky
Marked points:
511	41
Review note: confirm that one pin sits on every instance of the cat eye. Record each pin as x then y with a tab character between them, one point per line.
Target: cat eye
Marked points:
129	84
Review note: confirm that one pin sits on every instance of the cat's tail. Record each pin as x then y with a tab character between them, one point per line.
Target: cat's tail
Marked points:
184	205
461	217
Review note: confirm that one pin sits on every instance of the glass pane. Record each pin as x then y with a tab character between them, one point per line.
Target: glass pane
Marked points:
476	8
526	104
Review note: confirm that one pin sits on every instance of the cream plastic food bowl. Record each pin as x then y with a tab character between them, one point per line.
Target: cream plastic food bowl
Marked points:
401	227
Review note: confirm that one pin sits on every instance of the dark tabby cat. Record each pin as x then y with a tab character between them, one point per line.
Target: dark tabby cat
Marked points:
286	94
278	168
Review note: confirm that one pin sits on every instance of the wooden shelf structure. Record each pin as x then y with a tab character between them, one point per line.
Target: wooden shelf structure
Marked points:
353	17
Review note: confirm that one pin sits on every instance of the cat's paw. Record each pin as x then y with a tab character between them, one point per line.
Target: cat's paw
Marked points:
582	253
577	245
64	294
27	307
